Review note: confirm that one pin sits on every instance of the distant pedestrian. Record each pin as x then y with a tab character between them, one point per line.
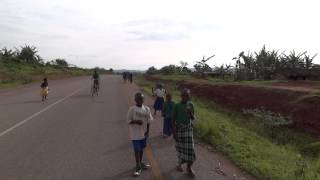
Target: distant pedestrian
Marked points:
130	77
44	89
139	118
160	94
124	76
183	118
167	114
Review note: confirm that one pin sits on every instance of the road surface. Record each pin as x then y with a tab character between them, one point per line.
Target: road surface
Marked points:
75	136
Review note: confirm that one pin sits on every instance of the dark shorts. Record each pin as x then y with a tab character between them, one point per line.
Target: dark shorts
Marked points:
139	145
158	104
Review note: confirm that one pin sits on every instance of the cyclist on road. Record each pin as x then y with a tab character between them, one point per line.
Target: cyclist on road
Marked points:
96	79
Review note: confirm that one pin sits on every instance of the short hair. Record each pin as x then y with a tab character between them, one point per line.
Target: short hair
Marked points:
138	95
184	92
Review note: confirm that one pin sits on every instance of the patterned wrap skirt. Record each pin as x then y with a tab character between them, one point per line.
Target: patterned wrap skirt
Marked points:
185	144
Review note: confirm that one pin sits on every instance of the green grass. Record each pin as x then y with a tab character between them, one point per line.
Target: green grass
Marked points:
266	152
14	74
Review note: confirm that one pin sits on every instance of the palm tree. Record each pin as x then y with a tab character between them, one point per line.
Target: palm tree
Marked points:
28	54
202	66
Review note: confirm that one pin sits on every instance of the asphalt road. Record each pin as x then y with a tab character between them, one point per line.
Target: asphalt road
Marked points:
76	136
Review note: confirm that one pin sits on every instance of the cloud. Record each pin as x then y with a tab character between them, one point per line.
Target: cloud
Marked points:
149	36
138	34
156	30
11	29
165	29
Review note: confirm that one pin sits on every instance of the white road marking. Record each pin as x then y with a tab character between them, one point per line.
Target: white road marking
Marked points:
37	114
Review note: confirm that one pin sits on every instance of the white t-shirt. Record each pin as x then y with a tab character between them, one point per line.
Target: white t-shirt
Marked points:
160	92
143	113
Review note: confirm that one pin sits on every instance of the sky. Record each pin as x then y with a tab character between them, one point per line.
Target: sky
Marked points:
137	34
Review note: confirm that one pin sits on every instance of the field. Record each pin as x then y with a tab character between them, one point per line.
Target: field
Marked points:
268	142
14	74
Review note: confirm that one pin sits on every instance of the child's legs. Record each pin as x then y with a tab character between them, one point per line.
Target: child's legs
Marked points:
143	146
138	146
137	157
167	126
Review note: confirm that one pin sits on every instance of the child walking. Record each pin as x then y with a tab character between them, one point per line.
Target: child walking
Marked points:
139	118
167	114
160	94
182	122
44	89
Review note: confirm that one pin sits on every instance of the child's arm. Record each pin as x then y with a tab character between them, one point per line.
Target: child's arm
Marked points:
139	122
190	111
163	110
131	120
150	118
174	116
147	132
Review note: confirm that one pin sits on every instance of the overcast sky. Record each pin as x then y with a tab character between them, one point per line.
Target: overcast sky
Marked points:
137	34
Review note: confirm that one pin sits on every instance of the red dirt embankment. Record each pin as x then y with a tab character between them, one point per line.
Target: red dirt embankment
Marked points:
302	107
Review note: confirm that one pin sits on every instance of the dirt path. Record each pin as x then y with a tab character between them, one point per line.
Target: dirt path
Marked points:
302	86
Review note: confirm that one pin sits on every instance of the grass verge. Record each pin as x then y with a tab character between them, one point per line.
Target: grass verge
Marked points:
264	151
14	74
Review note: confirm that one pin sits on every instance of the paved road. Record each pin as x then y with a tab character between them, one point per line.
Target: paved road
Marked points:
75	136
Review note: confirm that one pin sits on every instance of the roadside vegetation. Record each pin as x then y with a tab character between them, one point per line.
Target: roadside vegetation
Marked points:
262	65
266	143
25	65
257	141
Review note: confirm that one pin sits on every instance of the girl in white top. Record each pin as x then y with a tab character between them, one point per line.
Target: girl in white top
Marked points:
160	93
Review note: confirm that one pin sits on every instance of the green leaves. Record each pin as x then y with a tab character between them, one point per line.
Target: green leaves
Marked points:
267	65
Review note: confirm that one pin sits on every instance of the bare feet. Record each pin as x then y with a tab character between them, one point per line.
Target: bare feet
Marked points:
191	172
179	168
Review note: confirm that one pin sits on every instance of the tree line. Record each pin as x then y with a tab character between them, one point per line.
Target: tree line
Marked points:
262	65
28	55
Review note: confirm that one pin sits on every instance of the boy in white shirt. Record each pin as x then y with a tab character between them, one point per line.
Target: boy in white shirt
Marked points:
139	118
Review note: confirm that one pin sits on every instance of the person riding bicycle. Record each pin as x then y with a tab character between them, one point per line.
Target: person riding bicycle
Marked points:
96	79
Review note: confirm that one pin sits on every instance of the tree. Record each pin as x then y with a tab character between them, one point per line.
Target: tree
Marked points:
260	65
202	67
170	69
292	65
223	70
315	72
184	68
238	68
61	63
151	70
266	63
297	65
7	55
28	54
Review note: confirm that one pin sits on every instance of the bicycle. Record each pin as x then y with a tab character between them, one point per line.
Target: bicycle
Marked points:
95	89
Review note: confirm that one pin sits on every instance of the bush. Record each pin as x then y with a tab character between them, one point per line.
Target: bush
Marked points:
311	150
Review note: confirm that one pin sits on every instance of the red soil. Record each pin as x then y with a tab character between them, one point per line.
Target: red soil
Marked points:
301	106
302	109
